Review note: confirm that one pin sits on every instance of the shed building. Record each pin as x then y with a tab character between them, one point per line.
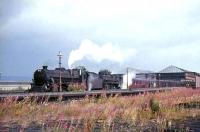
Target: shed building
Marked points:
173	73
169	76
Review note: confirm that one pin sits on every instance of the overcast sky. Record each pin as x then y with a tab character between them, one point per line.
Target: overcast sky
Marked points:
160	32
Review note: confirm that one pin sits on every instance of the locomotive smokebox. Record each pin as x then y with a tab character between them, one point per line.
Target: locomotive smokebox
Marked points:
45	67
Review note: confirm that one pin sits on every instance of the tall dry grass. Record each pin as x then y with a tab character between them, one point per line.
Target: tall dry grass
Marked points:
106	111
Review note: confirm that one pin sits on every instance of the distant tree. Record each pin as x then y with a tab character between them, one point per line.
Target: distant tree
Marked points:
105	72
82	68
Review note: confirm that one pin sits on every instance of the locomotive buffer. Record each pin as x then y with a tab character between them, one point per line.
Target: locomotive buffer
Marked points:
60	81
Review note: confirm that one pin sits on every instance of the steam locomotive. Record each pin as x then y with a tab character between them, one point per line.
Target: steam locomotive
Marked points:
61	79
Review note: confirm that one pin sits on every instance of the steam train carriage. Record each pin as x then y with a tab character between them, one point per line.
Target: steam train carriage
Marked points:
45	80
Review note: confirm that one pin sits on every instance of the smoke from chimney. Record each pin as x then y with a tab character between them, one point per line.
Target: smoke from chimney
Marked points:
98	53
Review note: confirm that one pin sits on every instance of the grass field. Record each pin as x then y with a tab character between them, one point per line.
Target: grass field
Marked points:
107	112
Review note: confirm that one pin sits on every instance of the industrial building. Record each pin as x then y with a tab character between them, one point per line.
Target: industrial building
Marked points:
173	73
168	77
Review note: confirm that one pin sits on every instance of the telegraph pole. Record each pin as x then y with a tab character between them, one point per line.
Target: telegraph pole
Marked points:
60	81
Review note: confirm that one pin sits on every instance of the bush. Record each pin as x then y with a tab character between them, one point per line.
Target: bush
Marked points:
154	105
78	87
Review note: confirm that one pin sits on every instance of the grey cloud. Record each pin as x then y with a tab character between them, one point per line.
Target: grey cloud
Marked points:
10	9
30	41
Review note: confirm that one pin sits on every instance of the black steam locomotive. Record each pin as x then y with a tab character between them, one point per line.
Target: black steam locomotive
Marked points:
61	79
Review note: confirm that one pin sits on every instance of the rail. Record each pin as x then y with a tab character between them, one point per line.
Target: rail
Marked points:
72	95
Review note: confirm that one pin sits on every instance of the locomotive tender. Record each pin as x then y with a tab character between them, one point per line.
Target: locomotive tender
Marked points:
45	80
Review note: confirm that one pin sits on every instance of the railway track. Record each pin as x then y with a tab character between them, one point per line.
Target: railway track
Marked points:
72	95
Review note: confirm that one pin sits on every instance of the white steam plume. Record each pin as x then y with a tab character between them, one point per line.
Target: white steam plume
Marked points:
99	53
131	75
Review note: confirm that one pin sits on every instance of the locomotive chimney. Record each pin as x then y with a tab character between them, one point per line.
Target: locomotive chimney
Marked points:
45	67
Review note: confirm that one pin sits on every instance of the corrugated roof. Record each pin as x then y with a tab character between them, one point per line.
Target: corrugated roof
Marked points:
173	69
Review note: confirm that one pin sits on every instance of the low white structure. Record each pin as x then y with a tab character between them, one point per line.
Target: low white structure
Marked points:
14	86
